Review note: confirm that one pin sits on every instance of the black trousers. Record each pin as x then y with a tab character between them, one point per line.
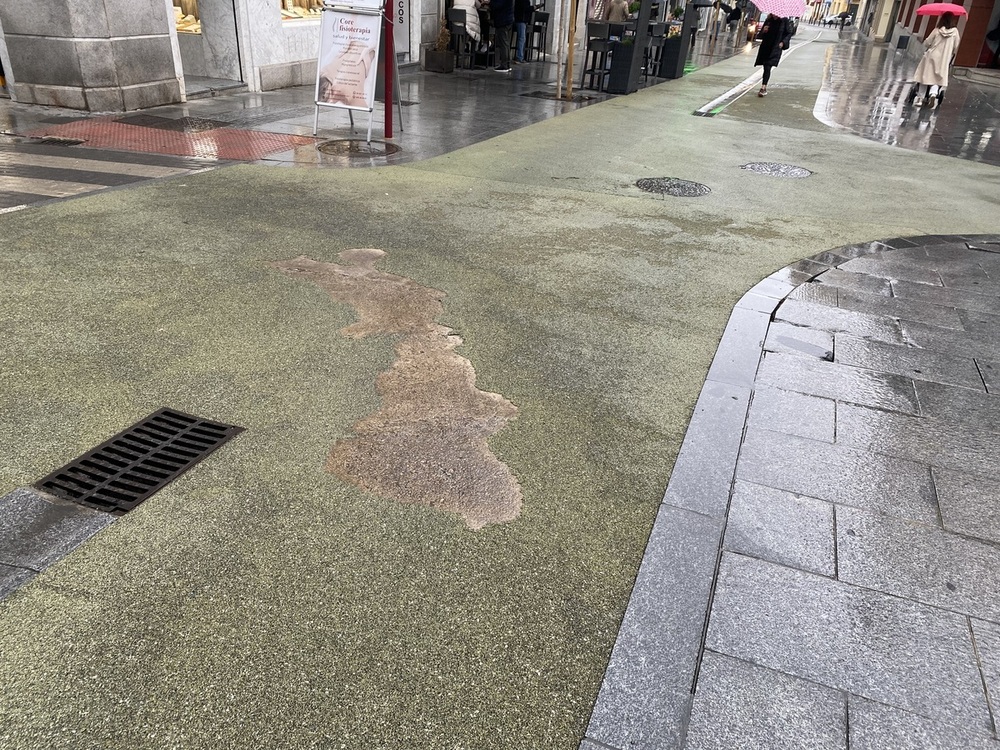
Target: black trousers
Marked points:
502	41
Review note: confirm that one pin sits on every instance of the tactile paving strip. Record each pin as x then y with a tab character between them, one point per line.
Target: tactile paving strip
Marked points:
220	143
673	186
774	169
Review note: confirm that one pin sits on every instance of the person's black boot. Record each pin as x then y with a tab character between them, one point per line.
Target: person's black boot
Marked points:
940	97
912	95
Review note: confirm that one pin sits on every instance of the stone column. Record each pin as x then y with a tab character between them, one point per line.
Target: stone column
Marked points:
97	55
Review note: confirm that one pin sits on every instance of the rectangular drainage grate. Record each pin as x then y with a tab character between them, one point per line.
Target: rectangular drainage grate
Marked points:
178	124
122	472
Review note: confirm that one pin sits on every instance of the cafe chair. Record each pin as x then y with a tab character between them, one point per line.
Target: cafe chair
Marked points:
654	49
465	45
538	33
595	56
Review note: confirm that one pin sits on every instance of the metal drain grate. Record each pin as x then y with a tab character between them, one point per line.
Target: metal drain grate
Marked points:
55	140
122	472
178	124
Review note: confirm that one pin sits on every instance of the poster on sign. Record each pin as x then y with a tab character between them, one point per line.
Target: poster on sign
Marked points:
348	59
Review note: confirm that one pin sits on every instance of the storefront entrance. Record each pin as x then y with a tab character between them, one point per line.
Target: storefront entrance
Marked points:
209	46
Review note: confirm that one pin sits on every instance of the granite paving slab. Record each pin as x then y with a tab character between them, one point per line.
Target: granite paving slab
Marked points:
962	406
793	413
936	314
37	529
808	342
881	647
875	726
884	266
918	562
741	706
838	320
970	503
837	381
838	278
929	440
12	578
908	361
782	527
836	474
980	300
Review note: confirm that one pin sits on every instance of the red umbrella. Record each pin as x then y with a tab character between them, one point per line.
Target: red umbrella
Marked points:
939	9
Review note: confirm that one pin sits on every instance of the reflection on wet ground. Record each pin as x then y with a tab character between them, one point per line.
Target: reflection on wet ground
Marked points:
865	88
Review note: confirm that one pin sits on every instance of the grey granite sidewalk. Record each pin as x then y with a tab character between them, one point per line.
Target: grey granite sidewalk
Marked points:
824	571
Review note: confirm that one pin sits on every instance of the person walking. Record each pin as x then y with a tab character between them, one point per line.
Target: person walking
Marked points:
502	15
522	17
939	53
776	35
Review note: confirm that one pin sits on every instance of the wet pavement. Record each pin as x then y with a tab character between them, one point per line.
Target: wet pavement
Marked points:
821	569
828	537
865	90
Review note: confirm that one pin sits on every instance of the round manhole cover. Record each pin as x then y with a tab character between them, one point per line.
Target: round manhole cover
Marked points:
774	169
357	147
673	186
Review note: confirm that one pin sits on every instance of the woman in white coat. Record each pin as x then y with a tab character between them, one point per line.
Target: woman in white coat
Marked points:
471	8
932	70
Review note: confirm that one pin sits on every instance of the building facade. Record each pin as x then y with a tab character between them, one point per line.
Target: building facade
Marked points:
115	55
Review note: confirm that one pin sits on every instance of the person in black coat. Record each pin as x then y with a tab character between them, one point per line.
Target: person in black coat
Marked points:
502	15
776	35
522	17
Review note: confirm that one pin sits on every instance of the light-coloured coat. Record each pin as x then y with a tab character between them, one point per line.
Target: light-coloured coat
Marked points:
942	44
471	8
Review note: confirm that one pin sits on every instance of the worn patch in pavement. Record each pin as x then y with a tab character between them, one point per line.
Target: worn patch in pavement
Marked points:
427	444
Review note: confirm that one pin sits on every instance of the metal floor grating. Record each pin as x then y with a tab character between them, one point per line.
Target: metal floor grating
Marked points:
179	124
124	471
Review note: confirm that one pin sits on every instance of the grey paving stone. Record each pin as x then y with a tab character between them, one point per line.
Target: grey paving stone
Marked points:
36	529
970	504
982	326
910	362
808	342
880	647
838	320
740	706
757	303
591	745
947	341
938	442
837	381
781	527
887	268
893	307
959	405
980	301
821	294
703	473
12	578
793	413
771	287
991	375
878	727
838	278
736	358
918	562
987	636
837	474
645	697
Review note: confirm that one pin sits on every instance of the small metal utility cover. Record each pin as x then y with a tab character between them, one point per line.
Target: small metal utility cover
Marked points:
673	186
774	169
357	147
122	472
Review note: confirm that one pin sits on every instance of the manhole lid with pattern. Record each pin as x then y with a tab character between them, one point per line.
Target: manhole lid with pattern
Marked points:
357	147
121	472
774	169
673	186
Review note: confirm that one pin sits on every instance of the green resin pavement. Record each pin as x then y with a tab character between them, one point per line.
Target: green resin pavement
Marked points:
261	602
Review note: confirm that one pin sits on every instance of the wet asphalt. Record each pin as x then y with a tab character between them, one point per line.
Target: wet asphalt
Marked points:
259	596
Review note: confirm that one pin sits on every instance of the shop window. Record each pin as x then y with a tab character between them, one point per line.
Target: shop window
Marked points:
186	16
299	10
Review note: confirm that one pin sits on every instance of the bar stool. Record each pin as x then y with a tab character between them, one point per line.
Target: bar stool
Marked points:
465	46
654	48
595	56
539	32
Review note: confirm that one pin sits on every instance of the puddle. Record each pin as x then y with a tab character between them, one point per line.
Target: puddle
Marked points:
427	443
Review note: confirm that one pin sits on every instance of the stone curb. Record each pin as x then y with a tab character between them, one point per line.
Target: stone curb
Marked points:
646	697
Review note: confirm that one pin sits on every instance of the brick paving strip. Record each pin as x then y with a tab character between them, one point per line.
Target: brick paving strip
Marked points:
824	571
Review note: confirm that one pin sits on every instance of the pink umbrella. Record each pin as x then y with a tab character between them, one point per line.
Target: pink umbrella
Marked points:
782	8
939	9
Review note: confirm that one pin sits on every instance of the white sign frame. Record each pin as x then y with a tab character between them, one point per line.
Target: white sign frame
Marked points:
347	61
